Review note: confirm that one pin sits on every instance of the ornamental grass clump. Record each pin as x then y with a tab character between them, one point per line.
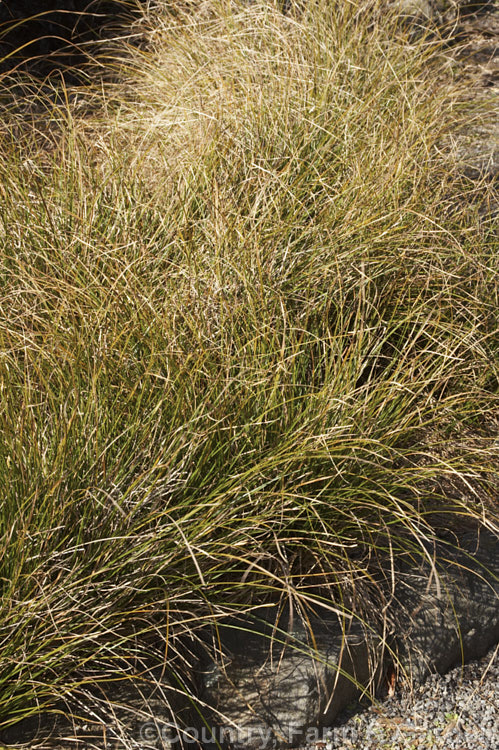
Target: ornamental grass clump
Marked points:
248	338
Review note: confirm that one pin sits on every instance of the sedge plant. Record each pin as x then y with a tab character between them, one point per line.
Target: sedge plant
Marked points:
248	336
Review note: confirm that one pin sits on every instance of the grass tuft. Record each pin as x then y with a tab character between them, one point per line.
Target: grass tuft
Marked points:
248	335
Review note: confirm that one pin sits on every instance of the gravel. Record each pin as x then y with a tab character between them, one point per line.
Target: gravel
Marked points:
455	711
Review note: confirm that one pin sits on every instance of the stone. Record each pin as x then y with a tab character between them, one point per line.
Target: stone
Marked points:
273	678
276	675
450	614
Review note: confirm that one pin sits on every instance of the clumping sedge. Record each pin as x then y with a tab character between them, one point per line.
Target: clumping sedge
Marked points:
248	335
